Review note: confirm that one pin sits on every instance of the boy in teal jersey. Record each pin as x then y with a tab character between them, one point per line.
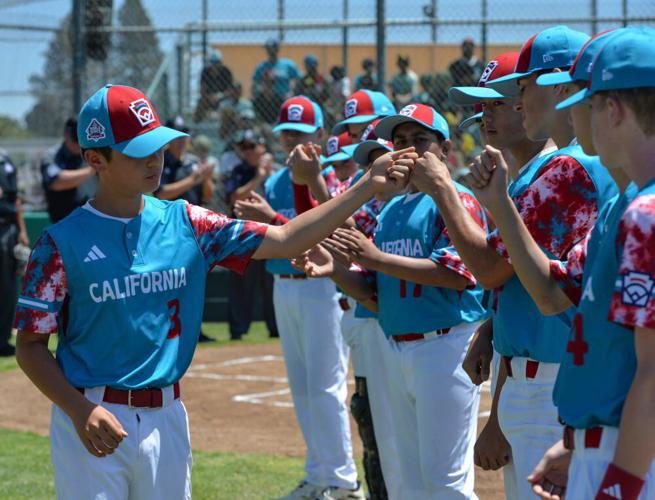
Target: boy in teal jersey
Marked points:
428	306
122	281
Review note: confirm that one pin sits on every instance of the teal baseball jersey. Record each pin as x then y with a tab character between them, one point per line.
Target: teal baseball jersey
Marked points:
558	197
412	226
617	295
126	296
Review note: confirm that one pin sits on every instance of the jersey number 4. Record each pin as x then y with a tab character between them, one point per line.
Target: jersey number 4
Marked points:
418	288
176	325
577	345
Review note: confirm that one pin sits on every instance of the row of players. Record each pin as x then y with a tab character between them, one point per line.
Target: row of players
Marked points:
569	221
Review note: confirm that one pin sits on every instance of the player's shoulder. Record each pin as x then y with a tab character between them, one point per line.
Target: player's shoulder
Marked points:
641	210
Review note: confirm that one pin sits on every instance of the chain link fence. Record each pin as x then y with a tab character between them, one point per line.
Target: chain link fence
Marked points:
227	66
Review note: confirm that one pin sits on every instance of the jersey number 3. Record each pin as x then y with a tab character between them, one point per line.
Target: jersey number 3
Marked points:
418	288
176	325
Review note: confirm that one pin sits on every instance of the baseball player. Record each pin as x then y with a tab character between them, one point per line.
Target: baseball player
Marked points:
315	354
429	307
360	110
558	197
121	281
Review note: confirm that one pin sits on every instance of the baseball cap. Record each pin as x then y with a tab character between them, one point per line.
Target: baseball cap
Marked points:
476	118
370	142
581	67
311	60
124	119
335	148
500	66
424	115
626	61
364	106
178	124
301	114
248	136
551	48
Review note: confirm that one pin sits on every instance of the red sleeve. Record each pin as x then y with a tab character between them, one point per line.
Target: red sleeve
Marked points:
302	198
278	220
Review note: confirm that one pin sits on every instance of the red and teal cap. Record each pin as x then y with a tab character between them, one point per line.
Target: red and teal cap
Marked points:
580	71
124	119
364	106
502	65
369	143
551	48
301	114
625	61
337	148
425	116
476	118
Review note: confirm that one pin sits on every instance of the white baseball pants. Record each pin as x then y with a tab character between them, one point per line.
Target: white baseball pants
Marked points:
316	357
588	467
528	419
435	411
152	462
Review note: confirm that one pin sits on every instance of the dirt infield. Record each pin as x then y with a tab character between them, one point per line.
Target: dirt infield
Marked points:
238	401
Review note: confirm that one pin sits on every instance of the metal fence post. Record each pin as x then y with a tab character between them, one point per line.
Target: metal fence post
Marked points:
594	16
179	67
344	38
381	44
485	15
77	25
205	15
280	18
624	12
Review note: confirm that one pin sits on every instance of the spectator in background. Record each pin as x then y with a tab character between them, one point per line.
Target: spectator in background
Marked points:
312	84
256	166
183	175
368	79
202	148
280	73
467	70
404	84
338	92
267	102
233	99
67	182
215	79
424	96
12	232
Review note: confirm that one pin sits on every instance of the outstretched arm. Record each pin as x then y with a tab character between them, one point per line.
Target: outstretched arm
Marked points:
308	229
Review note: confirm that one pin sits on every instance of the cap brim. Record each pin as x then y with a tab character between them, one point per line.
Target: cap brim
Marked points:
466	96
556	78
342	126
385	128
364	149
574	99
507	85
340	156
298	127
470	121
149	143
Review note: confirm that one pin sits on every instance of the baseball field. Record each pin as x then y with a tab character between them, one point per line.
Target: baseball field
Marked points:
246	442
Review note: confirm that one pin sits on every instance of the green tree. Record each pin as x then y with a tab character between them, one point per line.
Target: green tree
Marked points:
11	128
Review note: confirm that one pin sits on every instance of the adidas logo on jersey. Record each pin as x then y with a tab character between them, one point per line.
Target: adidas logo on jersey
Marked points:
613	491
94	254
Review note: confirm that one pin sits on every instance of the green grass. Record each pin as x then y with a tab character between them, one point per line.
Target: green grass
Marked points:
26	472
218	331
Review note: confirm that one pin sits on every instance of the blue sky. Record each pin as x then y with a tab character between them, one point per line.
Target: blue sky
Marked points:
22	52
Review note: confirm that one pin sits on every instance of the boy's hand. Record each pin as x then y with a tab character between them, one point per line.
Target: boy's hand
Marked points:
358	247
305	163
254	208
430	173
391	171
488	177
478	358
551	474
492	451
318	263
99	430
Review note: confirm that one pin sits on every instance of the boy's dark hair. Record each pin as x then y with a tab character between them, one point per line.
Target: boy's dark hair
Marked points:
105	152
642	103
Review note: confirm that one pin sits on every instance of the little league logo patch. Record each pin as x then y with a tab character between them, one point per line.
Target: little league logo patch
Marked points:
332	146
637	289
143	112
95	131
548	58
350	108
294	113
408	110
487	72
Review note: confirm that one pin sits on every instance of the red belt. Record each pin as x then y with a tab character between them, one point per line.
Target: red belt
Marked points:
591	437
343	303
138	398
292	276
411	337
531	367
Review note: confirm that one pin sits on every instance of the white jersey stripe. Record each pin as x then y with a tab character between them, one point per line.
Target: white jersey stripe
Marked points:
32	303
98	252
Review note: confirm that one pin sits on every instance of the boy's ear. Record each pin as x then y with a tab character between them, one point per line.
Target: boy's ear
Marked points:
446	146
95	159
